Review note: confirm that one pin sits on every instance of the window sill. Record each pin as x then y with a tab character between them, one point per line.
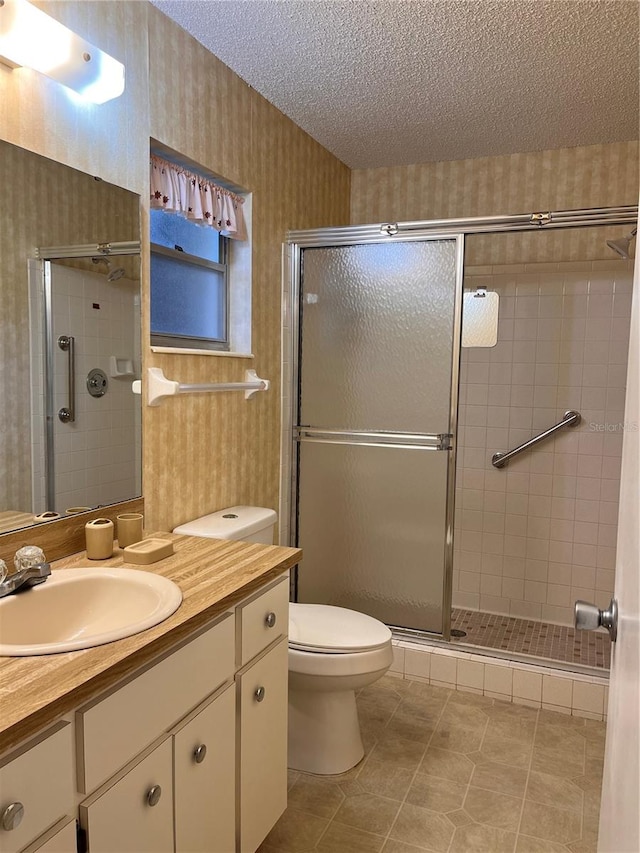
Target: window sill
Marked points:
184	351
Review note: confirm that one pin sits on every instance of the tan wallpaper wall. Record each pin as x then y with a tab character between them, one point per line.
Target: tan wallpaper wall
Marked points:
205	452
200	453
44	204
562	179
109	140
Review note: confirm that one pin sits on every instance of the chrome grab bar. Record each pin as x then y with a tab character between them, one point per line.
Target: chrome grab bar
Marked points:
571	419
67	414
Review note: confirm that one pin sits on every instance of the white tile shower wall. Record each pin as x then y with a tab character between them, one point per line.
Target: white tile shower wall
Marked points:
96	456
536	535
537	686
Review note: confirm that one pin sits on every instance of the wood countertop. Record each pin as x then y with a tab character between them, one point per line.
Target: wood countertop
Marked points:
213	575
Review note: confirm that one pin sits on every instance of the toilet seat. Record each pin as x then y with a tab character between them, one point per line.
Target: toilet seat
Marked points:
324	629
326	668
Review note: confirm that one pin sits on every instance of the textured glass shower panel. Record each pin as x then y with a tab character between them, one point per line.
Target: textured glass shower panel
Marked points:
376	336
372	529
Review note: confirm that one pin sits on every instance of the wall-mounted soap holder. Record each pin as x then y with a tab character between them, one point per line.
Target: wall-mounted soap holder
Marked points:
120	368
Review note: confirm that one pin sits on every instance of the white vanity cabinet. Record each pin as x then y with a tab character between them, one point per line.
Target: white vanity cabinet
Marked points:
262	691
186	756
133	813
204	760
61	838
179	795
36	788
261	630
114	728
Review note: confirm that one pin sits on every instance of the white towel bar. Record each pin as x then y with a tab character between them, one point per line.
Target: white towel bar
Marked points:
159	387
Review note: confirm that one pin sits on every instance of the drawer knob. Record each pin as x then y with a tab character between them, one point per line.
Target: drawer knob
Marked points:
270	619
199	753
259	694
153	795
12	816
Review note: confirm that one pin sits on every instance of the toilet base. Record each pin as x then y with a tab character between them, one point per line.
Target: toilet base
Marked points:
324	732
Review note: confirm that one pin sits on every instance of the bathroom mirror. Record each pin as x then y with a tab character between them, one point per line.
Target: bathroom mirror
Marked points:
49	462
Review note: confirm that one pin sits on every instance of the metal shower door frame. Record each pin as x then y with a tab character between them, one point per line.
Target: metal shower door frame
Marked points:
328	238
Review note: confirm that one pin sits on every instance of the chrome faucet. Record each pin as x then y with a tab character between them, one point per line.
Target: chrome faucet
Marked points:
24	578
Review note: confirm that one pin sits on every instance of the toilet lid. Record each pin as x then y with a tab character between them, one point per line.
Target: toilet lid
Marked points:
323	628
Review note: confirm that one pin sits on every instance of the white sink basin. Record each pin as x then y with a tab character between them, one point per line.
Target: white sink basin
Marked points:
79	608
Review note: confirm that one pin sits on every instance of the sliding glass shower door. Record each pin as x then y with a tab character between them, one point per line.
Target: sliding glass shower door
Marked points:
378	345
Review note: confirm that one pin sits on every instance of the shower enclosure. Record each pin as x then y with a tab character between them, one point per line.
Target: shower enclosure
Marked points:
390	418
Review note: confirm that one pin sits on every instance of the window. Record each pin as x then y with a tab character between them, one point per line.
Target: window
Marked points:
189	284
200	262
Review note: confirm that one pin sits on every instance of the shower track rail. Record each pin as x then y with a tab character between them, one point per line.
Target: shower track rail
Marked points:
570	419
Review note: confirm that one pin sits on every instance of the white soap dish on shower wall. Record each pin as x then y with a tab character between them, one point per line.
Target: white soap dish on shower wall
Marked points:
120	367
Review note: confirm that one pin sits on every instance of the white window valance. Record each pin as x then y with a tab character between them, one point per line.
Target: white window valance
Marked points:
199	199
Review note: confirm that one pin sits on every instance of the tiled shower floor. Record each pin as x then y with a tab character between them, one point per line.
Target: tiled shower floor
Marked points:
526	636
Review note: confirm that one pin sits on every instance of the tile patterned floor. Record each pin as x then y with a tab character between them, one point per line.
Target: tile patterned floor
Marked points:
451	772
526	636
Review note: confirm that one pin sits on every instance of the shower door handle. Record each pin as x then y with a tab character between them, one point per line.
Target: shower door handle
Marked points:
424	441
588	617
67	414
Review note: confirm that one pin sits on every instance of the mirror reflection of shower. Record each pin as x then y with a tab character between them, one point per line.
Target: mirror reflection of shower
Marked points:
112	274
93	457
622	245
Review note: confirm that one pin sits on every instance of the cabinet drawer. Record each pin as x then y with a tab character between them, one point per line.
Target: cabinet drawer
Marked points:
112	730
119	818
204	761
39	776
61	838
262	689
262	620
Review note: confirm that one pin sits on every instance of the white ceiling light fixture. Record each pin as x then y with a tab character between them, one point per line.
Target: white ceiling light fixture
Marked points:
33	39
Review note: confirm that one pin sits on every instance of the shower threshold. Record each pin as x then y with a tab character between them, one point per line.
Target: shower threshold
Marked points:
510	635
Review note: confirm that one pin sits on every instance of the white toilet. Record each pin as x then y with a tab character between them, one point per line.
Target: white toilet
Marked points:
332	653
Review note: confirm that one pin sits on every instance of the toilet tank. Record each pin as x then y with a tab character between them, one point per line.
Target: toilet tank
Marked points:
245	523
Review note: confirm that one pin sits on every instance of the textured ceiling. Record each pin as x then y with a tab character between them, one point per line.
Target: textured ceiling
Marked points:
390	82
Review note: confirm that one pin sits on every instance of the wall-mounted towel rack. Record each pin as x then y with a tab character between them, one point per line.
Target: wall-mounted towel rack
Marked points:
570	419
159	387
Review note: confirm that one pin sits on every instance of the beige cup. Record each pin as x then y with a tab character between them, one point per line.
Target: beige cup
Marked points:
129	528
99	538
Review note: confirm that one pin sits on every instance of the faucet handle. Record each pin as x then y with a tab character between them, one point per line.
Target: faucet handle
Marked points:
3	571
29	555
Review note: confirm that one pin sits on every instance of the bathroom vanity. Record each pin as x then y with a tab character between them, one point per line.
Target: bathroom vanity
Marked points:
168	741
